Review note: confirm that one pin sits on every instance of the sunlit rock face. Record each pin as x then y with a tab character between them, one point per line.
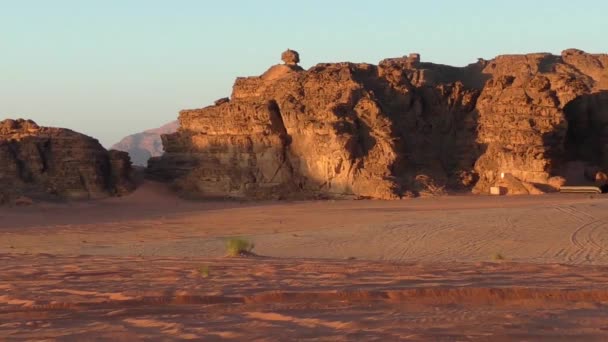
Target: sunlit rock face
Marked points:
399	128
538	112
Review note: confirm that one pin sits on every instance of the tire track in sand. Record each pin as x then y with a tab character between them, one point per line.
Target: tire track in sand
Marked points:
585	237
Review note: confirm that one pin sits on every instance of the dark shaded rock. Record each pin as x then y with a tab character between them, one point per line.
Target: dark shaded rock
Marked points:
54	162
222	101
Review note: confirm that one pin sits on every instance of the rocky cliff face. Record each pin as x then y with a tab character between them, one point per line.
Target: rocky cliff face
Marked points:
47	162
539	112
396	129
142	146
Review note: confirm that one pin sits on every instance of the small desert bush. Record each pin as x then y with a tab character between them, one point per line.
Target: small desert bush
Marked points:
203	271
238	247
498	257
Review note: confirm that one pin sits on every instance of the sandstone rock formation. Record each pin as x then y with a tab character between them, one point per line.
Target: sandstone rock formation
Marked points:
540	111
142	146
362	130
43	162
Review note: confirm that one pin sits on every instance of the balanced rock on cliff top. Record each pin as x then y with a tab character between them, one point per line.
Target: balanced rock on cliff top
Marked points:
362	130
44	162
290	57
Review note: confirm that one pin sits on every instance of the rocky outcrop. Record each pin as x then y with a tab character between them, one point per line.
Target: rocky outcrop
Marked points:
142	146
400	128
44	162
539	112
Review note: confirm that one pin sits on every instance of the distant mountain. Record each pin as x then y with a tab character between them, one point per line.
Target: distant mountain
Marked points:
142	146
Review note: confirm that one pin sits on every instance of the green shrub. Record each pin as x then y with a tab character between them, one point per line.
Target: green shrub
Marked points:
238	247
203	271
498	257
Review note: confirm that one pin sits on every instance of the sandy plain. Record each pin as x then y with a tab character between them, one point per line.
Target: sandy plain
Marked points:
150	266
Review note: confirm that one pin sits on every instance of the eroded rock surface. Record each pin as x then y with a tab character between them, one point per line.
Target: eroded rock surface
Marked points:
540	111
44	162
400	128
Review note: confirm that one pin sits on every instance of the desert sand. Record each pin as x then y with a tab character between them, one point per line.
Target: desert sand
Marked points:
152	266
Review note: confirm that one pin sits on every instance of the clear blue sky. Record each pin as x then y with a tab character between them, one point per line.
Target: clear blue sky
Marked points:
109	68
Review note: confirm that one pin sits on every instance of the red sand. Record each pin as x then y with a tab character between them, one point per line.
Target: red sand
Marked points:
415	269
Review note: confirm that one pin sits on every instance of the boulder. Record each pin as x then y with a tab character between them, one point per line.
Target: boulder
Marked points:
556	182
601	179
222	101
290	57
